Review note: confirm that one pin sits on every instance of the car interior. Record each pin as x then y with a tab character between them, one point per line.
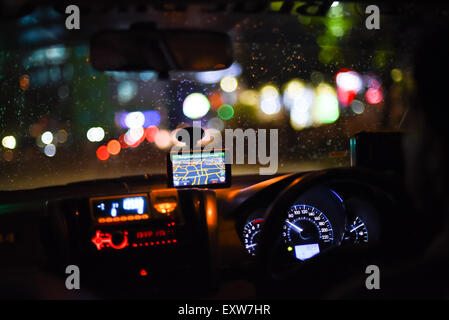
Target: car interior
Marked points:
134	150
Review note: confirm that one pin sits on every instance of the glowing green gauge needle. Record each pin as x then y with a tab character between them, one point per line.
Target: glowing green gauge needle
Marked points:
298	229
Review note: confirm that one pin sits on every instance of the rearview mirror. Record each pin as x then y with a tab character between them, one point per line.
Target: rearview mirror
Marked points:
147	48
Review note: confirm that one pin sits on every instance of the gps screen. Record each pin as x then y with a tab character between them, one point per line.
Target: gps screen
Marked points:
198	169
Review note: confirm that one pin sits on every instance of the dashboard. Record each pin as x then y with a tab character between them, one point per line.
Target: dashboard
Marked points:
135	236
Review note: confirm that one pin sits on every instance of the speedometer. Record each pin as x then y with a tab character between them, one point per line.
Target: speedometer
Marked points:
307	231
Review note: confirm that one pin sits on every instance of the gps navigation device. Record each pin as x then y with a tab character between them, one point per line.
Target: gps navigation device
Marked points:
198	169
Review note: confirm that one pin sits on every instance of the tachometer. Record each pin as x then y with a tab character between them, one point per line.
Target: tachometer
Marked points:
307	231
251	233
357	233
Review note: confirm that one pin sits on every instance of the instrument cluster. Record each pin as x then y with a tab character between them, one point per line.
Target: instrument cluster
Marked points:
318	220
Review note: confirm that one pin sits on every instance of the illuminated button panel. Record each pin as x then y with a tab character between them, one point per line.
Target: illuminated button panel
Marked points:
123	239
156	237
122	208
133	221
131	217
105	240
134	207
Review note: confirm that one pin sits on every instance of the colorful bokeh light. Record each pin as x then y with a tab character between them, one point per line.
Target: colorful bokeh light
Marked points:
225	112
269	101
374	96
326	107
150	133
229	84
103	153
196	105
9	142
114	147
95	134
163	139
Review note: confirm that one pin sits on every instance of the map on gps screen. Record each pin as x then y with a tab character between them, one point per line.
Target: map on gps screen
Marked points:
198	169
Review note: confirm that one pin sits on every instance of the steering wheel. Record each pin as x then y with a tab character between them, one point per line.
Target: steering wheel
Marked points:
268	255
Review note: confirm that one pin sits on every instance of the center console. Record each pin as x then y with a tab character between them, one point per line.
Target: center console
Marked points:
155	242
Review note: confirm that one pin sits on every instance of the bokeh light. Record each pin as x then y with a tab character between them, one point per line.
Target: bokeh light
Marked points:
135	120
357	107
103	153
47	137
134	136
371	81
269	101
249	98
326	107
150	133
95	134
126	90
293	89
228	84
114	147
152	118
9	142
215	123
345	97
215	99
50	150
301	109
61	136
225	112
195	106
163	139
396	75
349	81
374	96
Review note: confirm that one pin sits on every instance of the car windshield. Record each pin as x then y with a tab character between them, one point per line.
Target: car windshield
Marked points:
316	79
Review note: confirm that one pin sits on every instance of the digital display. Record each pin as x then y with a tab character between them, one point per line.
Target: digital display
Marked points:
198	169
117	209
306	251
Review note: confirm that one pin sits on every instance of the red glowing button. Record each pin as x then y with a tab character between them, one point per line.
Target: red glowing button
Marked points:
102	240
143	272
